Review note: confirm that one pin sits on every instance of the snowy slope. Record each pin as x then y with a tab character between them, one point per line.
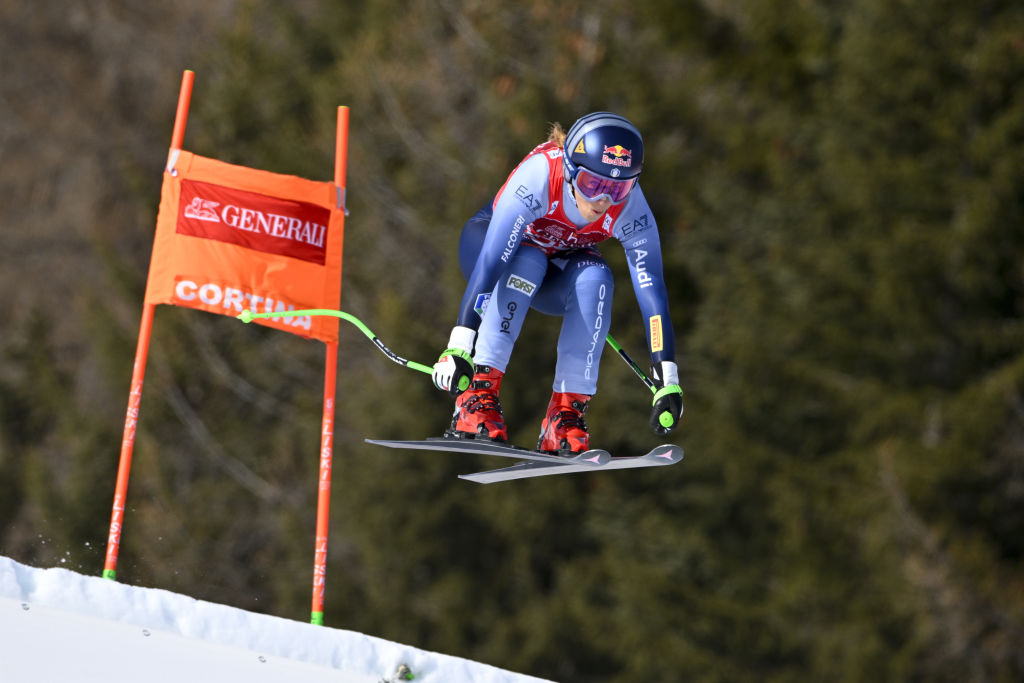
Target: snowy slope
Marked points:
59	625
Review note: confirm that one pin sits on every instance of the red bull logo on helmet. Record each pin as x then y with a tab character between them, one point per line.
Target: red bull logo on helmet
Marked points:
617	155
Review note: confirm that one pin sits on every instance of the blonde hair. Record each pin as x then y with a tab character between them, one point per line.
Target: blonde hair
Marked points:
556	134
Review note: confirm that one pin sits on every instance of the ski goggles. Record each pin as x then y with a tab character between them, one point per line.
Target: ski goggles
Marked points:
593	187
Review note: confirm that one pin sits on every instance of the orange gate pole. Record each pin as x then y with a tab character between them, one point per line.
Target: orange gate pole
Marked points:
139	368
323	502
323	506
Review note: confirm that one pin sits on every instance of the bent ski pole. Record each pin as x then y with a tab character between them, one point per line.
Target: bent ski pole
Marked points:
248	316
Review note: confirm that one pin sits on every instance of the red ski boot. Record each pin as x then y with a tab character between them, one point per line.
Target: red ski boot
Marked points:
563	429
478	410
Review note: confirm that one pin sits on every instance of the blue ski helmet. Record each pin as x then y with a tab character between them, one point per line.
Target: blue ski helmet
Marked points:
605	144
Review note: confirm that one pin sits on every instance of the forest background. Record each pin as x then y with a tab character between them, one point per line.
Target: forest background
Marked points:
839	188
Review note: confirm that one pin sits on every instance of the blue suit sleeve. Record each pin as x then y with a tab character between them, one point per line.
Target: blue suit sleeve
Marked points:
638	233
522	201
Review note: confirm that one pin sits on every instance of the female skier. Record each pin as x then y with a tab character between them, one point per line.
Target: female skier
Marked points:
532	248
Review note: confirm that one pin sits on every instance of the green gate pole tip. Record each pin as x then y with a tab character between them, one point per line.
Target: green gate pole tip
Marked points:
245	316
317	619
110	574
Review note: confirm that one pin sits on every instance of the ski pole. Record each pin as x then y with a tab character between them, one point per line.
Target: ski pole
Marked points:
666	418
248	316
632	364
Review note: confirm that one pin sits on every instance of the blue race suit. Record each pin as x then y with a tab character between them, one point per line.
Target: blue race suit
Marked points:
531	248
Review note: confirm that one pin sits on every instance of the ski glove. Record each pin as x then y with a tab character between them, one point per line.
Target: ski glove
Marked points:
453	371
667	406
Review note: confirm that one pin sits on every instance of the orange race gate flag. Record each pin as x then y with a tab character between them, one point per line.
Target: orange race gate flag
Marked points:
231	238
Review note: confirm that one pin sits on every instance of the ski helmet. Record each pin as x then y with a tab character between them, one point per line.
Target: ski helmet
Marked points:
605	144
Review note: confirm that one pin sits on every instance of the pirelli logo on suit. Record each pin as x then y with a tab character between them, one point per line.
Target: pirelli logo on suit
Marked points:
657	336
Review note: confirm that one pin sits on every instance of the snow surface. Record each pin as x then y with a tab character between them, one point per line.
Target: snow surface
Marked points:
60	625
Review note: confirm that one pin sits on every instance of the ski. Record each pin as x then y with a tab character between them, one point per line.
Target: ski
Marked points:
668	454
587	459
535	463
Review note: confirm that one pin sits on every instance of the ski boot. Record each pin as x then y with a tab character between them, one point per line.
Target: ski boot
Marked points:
563	430
477	410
